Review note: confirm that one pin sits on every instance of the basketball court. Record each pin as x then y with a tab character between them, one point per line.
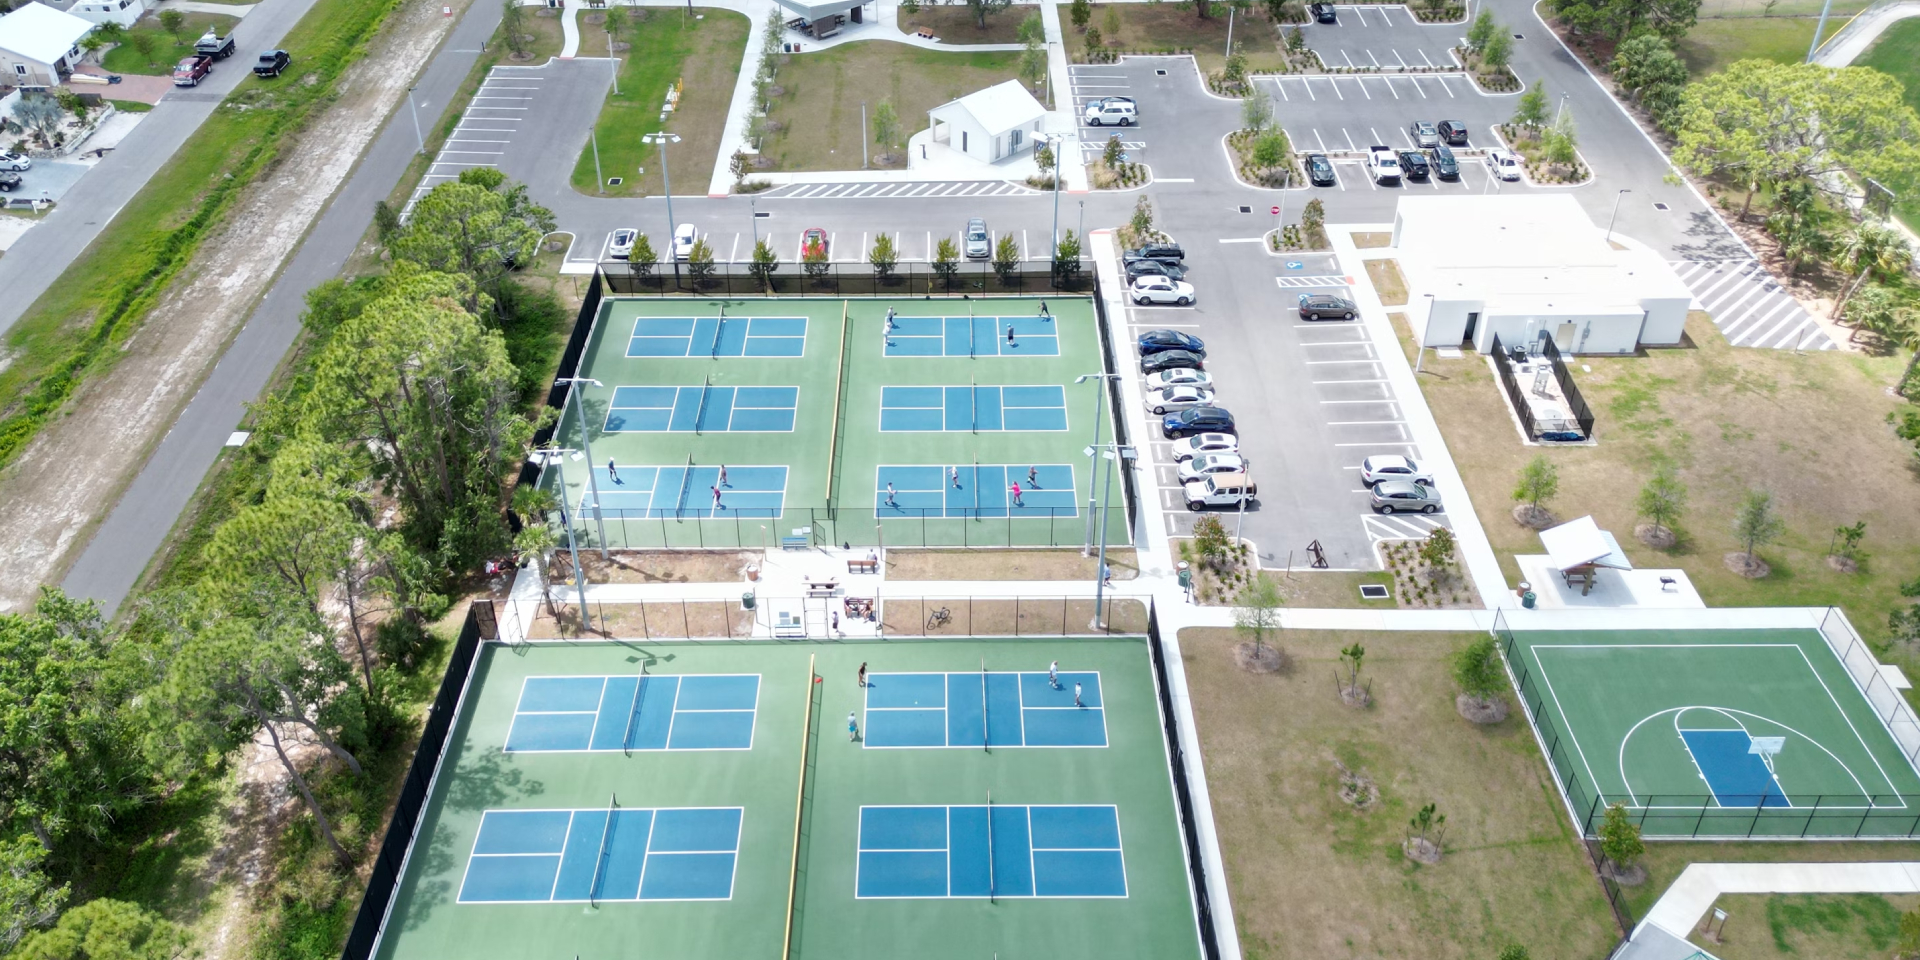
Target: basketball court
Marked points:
1714	732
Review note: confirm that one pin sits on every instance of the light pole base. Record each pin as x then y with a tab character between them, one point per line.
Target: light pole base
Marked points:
1095	624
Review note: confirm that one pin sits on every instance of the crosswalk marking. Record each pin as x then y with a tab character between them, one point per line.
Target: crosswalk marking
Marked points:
1311	281
1749	306
915	189
1401	526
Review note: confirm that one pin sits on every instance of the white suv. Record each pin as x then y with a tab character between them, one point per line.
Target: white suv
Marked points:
1111	111
1201	467
1503	164
1220	490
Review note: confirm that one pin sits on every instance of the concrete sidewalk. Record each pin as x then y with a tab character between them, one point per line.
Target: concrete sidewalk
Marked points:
1679	909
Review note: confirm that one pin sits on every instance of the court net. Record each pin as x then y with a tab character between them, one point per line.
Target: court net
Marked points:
600	860
639	693
700	415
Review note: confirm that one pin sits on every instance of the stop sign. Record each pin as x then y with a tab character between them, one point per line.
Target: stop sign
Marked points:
1276	211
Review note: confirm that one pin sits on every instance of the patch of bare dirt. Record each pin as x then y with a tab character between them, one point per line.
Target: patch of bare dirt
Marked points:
658	566
1659	538
1747	565
1539	518
1423	850
1357	790
1261	658
1477	710
72	474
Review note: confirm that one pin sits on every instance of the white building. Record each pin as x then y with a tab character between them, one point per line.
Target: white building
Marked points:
1002	121
1531	266
122	12
39	45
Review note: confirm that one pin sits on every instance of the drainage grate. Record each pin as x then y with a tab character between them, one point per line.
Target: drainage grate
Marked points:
761	214
1661	206
1373	591
1159	73
614	181
1246	209
1518	37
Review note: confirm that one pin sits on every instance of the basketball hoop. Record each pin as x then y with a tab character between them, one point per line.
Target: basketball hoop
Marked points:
1766	746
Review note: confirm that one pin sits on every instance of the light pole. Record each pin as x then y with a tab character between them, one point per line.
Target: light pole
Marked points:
613	59
594	136
1557	114
1083	223
415	110
555	456
753	209
1420	345
1093	450
1616	212
666	185
593	481
1819	29
1112	452
863	134
1056	142
1229	30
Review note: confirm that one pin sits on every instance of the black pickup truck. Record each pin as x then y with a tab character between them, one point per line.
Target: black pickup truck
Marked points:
271	63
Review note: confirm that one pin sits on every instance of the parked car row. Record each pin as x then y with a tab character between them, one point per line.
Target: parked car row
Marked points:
212	47
1396	484
1206	451
1155	273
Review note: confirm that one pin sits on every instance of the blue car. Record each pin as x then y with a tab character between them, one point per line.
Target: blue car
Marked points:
1157	341
1193	420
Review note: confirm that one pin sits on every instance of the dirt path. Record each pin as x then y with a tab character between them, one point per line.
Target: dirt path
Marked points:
70	475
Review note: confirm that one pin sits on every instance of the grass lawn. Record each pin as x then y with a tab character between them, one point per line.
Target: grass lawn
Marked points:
819	113
1388	281
956	24
131	106
1712	44
705	54
1857	926
166	51
1809	428
1160	26
1897	52
1313	877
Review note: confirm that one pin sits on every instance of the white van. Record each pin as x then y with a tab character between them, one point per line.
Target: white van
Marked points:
1111	111
1221	490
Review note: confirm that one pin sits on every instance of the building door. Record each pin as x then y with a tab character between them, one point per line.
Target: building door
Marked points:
963	142
1473	320
1563	337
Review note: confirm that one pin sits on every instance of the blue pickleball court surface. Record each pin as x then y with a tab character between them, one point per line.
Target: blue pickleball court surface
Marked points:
1011	710
983	491
718	337
645	712
675	493
1005	850
966	409
1033	336
1737	777
703	409
570	856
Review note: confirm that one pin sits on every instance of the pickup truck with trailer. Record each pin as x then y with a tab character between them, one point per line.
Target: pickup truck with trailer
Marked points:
213	45
1382	165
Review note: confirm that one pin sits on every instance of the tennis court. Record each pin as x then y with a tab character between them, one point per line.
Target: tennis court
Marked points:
991	851
550	837
984	709
1033	336
973	408
687	493
718	336
1714	732
702	409
681	386
974	490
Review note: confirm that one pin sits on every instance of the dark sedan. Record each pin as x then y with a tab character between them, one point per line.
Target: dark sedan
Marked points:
1322	12
1453	132
1186	423
1171	360
1153	268
1320	170
1444	165
1160	341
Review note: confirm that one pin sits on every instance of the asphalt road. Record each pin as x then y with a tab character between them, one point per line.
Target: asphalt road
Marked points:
1304	454
134	531
43	253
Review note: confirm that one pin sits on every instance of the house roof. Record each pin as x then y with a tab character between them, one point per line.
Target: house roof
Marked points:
998	108
1577	543
40	33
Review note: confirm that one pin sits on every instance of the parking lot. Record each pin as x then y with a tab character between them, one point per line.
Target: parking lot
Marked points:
1342	116
1171	106
1376	37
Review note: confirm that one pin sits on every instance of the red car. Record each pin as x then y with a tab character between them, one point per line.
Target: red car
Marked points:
192	70
814	237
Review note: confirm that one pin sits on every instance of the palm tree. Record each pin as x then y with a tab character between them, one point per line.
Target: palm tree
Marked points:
1873	249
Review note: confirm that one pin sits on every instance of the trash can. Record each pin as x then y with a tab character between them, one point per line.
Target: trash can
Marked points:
1527	599
746	601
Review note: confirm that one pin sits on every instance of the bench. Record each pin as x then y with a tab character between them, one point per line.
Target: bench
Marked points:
795	543
822	588
863	566
925	33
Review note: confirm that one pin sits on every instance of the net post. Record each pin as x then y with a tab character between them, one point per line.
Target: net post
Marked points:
799	806
991	879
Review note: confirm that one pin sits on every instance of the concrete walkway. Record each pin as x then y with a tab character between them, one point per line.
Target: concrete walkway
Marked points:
570	28
1853	38
1690	897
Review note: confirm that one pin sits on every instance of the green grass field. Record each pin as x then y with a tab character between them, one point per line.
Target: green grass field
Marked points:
1665	723
168	48
1154	918
818	111
1712	44
835	456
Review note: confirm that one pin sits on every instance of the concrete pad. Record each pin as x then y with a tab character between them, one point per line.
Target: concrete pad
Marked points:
1612	589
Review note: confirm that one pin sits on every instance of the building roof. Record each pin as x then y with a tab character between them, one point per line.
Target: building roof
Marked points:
998	108
1578	543
1539	252
40	33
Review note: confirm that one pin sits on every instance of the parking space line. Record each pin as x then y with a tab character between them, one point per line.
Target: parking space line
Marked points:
1322	363
1423	56
1321	383
1349	136
1360	423
1446	86
1362	81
